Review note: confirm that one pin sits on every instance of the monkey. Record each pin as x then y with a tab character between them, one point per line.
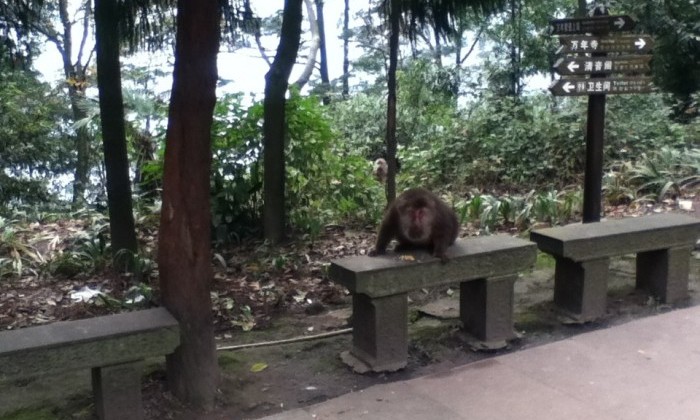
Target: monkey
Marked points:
380	169
418	218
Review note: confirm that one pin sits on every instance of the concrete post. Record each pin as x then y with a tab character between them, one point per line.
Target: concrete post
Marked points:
486	308
664	273
117	391
581	288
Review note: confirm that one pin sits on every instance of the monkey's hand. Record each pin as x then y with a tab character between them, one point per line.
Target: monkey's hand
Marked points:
443	257
374	252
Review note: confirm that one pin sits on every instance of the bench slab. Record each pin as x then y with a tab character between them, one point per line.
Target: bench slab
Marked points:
473	258
590	241
87	343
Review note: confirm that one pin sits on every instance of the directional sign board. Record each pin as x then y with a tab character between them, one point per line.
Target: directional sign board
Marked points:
593	25
618	43
603	65
580	87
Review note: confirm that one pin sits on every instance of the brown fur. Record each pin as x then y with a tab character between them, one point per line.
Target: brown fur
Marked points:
418	218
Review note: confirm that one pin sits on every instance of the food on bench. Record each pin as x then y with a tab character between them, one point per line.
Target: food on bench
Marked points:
418	218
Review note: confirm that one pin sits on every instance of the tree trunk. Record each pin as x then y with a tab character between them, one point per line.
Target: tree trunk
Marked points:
346	44
121	216
184	243
325	81
75	75
394	17
274	127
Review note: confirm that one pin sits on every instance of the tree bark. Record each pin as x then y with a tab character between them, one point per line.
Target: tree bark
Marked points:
184	245
325	81
346	44
121	216
394	18
274	127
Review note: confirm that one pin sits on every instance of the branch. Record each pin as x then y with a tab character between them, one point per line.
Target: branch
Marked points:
86	22
263	54
313	49
286	341
471	49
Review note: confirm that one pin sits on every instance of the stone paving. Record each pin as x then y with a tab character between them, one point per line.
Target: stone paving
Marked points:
645	369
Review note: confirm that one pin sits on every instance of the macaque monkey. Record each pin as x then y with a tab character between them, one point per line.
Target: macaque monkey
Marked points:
418	218
380	169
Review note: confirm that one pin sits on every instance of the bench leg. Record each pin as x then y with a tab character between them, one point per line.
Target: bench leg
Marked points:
117	391
380	332
486	308
664	273
581	288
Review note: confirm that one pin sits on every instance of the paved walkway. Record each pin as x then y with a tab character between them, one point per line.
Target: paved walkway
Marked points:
645	369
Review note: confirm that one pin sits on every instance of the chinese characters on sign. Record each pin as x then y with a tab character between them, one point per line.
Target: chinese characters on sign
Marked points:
618	43
603	65
578	87
595	24
587	50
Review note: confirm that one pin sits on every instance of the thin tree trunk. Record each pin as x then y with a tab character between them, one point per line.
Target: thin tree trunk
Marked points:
346	43
325	81
75	75
121	216
394	17
184	244
438	48
313	48
274	126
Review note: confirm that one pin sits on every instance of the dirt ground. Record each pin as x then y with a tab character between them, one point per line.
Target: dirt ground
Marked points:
264	380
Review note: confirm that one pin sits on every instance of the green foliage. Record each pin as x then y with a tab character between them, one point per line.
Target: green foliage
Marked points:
522	142
327	180
675	26
86	253
34	141
666	171
16	256
490	212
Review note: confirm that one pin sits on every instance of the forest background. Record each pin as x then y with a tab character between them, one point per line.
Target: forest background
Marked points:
505	156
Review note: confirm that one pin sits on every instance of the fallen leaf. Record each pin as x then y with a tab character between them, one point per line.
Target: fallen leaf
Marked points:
258	367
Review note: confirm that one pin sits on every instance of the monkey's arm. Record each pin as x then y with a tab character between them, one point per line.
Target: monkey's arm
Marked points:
386	233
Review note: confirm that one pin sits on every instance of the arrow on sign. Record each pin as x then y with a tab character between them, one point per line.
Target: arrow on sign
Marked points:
640	43
572	66
568	87
620	23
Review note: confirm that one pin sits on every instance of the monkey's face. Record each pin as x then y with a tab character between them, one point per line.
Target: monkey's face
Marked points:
416	221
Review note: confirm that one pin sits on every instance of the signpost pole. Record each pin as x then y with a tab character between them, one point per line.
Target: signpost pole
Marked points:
593	177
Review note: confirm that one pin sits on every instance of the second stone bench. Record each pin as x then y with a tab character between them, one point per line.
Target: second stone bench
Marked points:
485	267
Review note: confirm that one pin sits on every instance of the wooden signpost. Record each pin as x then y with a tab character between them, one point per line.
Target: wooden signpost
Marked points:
595	60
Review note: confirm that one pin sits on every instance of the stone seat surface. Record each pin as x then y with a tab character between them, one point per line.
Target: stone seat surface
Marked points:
610	238
86	343
471	258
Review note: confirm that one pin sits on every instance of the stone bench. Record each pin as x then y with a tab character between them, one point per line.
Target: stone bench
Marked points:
582	252
113	346
485	267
